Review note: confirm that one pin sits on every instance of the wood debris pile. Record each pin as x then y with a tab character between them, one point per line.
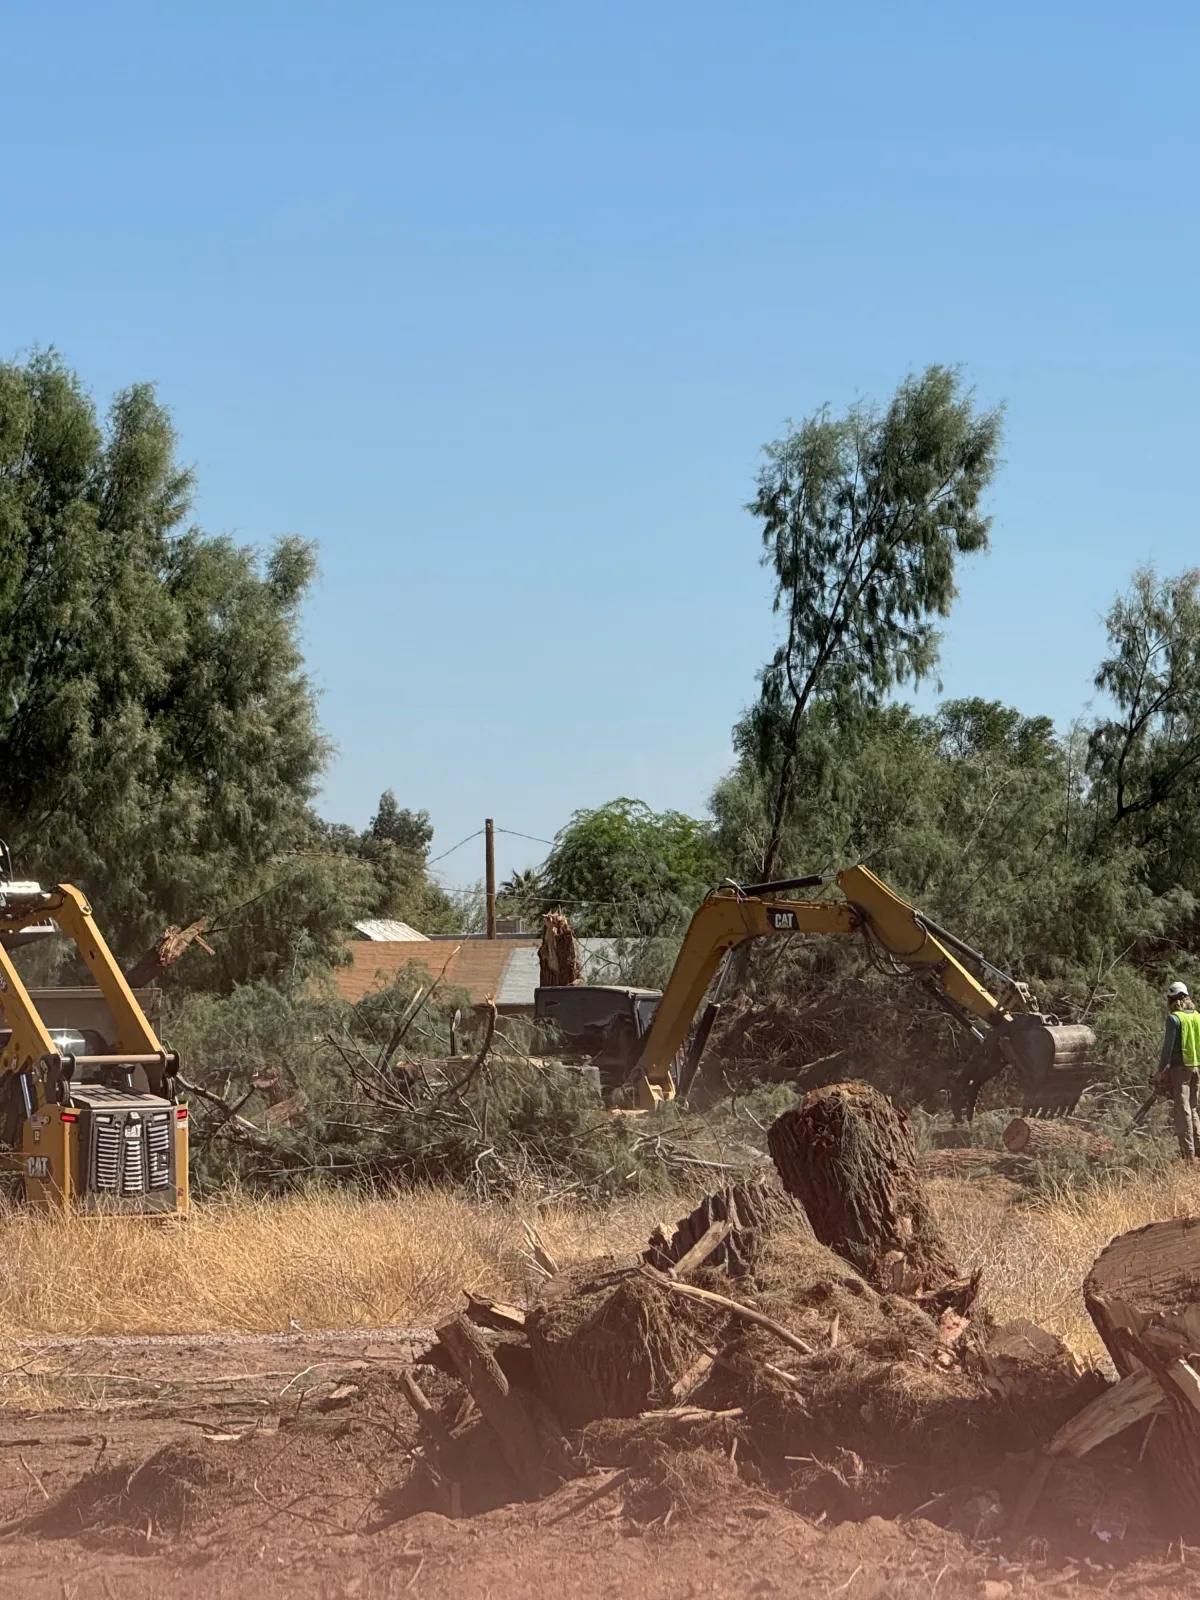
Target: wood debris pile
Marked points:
812	1341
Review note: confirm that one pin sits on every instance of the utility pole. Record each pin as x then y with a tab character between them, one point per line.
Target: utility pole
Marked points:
489	839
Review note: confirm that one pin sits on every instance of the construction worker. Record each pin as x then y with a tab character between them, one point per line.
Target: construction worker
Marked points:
1180	1062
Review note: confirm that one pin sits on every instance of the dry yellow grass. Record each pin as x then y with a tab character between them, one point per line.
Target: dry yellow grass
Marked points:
1036	1255
249	1266
333	1261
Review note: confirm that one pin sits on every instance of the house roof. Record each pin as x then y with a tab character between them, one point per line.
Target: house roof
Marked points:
506	970
476	965
386	930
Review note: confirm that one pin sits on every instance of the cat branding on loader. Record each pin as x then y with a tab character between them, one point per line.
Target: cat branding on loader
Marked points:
90	1118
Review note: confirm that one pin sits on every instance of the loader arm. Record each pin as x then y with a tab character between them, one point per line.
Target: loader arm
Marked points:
75	1128
135	1040
894	931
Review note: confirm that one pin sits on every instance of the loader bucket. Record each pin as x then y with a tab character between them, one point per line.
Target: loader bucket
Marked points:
1053	1062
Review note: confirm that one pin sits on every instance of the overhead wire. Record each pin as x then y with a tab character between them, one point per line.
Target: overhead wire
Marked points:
454	847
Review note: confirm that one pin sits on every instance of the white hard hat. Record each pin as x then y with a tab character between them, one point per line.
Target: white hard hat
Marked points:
1176	991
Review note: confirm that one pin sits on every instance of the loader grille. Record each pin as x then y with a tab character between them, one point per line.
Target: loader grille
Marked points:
158	1144
129	1151
106	1155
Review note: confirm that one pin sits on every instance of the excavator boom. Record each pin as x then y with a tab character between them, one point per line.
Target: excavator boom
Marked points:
1052	1063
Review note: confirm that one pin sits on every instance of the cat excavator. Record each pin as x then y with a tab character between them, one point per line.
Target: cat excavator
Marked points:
90	1118
1053	1062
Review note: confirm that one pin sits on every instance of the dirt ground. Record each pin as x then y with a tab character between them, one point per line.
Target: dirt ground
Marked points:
265	1466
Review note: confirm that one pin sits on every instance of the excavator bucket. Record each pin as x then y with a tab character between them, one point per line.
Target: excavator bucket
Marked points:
1053	1062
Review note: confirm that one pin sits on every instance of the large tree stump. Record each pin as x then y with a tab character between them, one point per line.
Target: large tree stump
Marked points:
1034	1136
558	954
1143	1294
847	1155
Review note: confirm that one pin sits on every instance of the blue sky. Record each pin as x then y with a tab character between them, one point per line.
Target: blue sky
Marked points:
498	303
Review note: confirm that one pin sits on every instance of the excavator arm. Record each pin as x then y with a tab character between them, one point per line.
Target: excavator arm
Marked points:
1047	1057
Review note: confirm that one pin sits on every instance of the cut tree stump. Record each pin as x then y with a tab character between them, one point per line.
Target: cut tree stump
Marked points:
1143	1294
1033	1136
846	1153
558	954
170	946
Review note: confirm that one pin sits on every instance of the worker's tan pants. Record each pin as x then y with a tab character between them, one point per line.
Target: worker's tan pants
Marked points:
1185	1097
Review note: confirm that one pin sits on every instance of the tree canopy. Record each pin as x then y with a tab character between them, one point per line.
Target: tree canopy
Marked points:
159	742
863	519
623	868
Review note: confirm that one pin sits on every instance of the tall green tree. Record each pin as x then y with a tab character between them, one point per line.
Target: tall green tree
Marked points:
863	519
158	735
1145	753
394	849
624	869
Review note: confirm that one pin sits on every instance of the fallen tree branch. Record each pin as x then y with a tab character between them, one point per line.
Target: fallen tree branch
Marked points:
171	944
746	1313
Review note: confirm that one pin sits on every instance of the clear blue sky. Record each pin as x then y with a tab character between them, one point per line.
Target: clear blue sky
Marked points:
498	303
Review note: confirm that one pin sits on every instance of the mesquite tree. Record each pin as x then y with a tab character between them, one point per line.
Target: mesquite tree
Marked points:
1152	745
863	519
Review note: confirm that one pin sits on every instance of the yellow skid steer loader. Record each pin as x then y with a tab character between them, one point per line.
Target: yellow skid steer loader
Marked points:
90	1118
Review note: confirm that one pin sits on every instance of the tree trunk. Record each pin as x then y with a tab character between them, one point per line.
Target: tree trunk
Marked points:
847	1155
1033	1136
1143	1294
558	954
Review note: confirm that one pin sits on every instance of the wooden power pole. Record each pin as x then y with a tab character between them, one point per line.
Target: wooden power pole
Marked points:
489	839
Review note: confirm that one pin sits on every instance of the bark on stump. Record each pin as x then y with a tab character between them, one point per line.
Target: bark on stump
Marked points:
558	954
847	1155
1143	1294
1031	1136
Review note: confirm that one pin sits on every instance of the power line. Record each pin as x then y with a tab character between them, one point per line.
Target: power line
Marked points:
455	847
478	831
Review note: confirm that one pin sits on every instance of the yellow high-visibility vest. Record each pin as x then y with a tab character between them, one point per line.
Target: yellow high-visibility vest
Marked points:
1189	1029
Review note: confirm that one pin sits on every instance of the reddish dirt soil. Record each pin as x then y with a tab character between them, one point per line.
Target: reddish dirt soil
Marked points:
250	1467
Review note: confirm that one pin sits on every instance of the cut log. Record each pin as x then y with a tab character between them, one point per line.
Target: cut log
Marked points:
750	1210
846	1153
1143	1294
1135	1397
538	1463
1034	1136
558	954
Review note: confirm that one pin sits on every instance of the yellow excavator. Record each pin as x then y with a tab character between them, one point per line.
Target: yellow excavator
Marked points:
1053	1062
90	1118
